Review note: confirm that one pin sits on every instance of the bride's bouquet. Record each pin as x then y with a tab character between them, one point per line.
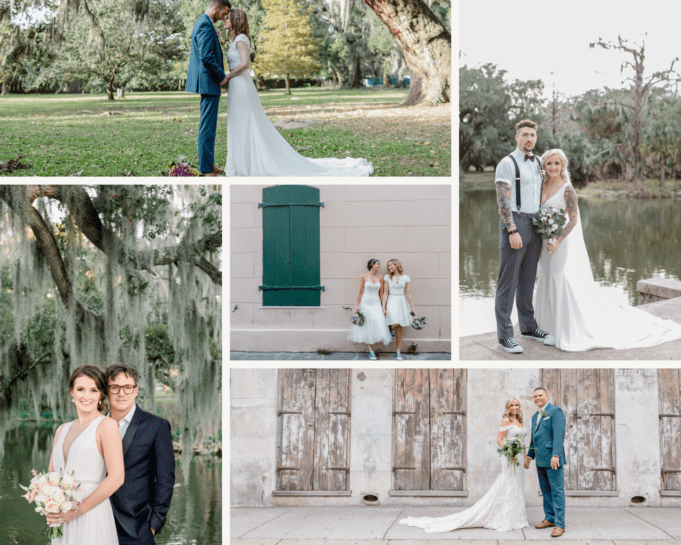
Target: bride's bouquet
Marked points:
54	492
510	450
550	224
418	323
358	319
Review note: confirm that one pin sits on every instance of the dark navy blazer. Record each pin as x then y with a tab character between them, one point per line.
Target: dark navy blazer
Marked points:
144	498
206	67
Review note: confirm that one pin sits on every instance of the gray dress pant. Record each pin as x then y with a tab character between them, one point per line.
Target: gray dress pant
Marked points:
517	274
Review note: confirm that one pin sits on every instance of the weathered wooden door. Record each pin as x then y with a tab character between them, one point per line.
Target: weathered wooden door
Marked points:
669	388
314	429
586	396
429	429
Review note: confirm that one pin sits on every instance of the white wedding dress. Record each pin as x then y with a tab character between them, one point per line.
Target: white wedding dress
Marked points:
375	328
570	305
502	508
255	147
397	308
97	526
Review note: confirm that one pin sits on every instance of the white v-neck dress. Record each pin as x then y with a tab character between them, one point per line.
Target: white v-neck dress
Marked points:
397	307
97	526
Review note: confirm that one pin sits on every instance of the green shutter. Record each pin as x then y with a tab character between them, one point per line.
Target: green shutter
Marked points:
290	225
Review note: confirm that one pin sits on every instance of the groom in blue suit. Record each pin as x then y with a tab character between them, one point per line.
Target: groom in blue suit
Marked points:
205	76
546	448
140	506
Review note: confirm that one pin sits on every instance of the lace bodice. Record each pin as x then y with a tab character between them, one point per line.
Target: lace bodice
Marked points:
397	287
513	432
371	289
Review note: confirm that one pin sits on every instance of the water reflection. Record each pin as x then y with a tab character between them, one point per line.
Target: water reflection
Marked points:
627	241
195	515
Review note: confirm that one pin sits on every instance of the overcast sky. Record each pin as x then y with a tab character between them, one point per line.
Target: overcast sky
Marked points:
532	40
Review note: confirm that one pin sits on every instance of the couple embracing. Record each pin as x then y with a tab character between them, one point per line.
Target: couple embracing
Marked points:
572	311
254	146
502	508
123	460
386	305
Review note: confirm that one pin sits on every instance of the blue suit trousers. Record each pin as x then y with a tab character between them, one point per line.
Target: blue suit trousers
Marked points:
207	126
553	491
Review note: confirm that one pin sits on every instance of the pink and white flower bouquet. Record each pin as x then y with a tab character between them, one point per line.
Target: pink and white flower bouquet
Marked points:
53	492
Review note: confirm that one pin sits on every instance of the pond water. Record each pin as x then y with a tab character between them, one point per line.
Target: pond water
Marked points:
627	241
195	515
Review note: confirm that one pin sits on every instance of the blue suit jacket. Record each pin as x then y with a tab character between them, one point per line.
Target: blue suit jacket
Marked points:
547	439
206	70
144	498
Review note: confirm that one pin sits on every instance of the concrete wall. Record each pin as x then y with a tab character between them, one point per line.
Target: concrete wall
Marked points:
253	438
358	222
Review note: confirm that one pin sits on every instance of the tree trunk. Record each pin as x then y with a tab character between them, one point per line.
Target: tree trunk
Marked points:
339	76
110	90
662	169
4	88
355	79
426	45
259	82
386	80
288	84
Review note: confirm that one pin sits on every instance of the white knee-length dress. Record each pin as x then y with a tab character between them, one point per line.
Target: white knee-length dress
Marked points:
397	306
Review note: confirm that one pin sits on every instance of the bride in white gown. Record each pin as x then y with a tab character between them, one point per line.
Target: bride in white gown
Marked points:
254	146
91	447
502	508
569	305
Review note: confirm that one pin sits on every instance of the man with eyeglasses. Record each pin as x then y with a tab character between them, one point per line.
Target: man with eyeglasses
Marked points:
140	506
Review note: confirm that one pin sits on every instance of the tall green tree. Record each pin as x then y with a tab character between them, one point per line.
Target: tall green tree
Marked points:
287	46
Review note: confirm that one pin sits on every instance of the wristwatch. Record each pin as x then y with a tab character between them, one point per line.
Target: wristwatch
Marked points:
513	232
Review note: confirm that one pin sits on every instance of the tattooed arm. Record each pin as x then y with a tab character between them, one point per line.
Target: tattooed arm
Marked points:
572	211
504	202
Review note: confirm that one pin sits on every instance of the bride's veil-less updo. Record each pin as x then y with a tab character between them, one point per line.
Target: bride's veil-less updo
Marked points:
97	375
370	263
507	410
565	173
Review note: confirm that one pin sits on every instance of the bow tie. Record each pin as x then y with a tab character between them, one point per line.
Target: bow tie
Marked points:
529	157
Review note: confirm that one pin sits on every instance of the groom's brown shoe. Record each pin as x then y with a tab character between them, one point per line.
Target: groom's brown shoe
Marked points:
218	170
544	524
557	531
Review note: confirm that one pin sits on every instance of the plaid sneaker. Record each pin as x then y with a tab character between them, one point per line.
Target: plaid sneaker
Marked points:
537	335
510	346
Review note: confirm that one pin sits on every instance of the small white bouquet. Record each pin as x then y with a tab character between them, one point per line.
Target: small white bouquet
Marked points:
53	492
550	224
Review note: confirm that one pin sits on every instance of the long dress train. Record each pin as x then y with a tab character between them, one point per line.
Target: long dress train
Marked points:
571	306
255	147
97	526
502	508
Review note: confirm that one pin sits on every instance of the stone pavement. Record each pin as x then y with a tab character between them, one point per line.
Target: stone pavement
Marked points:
364	356
486	345
379	526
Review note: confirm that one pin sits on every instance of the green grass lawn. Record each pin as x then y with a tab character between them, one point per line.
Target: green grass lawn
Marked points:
67	135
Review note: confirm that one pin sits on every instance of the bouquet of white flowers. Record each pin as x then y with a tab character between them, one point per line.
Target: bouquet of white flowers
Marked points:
53	492
418	323
550	224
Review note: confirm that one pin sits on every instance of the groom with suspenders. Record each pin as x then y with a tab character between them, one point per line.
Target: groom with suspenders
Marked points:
140	506
518	183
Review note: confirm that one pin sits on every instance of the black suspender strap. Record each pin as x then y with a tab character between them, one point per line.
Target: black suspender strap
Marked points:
517	179
517	182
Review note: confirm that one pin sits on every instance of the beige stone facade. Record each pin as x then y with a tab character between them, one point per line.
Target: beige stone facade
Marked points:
358	222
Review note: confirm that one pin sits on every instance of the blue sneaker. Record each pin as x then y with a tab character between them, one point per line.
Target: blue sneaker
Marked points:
372	356
398	356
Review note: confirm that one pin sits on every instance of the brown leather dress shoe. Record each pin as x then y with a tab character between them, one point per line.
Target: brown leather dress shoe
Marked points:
212	174
544	524
218	170
557	531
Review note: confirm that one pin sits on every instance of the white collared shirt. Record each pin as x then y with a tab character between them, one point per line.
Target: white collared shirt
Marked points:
530	181
125	421
539	417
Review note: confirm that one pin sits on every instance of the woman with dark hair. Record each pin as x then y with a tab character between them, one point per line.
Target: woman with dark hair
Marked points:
397	304
91	448
254	146
368	303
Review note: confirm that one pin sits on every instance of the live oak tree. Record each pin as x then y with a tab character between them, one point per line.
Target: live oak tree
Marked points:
426	45
287	46
637	99
109	273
